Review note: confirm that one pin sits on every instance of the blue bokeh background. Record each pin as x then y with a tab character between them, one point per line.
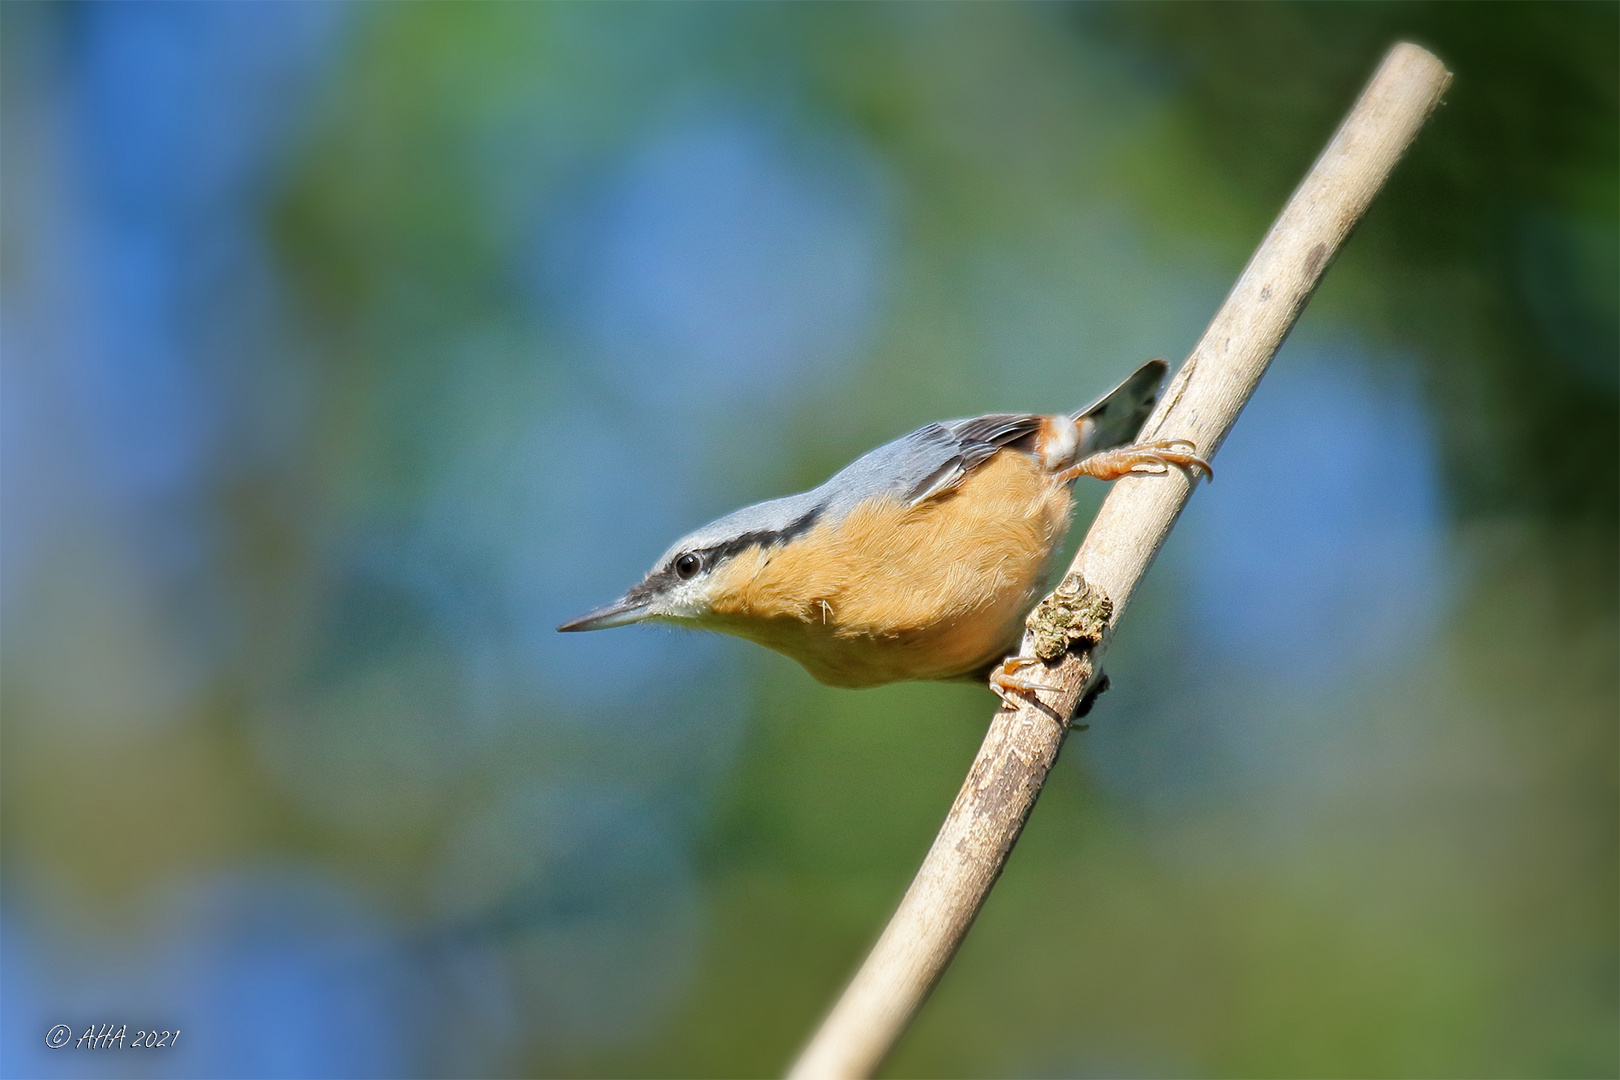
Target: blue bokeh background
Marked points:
345	350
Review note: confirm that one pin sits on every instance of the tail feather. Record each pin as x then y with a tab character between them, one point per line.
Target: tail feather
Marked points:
1118	415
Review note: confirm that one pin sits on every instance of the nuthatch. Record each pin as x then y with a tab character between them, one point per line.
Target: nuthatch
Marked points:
918	560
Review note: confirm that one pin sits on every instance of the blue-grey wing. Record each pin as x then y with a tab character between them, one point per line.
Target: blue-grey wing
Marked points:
912	468
969	444
934	459
930	461
926	464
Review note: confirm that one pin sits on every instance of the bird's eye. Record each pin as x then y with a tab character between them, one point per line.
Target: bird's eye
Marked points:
686	565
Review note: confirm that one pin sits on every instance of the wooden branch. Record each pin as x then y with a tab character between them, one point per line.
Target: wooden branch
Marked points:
1201	405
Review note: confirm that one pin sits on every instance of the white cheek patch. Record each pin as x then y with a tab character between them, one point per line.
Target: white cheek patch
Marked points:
688	600
1057	442
695	598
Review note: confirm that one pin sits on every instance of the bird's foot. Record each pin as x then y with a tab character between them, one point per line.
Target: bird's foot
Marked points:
1141	459
1017	690
1013	688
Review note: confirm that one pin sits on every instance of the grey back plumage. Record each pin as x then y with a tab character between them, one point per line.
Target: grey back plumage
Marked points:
920	466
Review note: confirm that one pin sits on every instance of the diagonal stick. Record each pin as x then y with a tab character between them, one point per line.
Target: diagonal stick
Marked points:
1201	405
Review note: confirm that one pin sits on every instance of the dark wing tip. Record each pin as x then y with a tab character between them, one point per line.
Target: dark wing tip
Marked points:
975	440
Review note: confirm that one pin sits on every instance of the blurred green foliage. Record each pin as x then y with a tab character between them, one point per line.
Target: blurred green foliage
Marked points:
1059	191
1504	219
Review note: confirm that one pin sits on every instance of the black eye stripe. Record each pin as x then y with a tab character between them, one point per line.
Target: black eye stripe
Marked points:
764	539
662	580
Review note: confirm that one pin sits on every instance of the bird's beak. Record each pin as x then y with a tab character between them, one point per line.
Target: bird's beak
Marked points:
619	613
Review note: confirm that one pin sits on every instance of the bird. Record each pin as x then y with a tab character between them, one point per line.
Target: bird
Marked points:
917	561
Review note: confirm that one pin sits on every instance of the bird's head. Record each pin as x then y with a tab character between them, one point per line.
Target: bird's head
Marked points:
686	583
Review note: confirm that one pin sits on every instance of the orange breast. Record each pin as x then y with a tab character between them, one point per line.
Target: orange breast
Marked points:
894	592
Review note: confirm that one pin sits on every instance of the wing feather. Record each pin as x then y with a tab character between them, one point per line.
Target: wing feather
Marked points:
965	445
924	465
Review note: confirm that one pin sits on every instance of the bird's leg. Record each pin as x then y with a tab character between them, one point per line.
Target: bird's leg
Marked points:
1008	684
1140	459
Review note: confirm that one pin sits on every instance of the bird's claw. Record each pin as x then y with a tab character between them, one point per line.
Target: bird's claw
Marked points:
1161	454
1142	459
1013	689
